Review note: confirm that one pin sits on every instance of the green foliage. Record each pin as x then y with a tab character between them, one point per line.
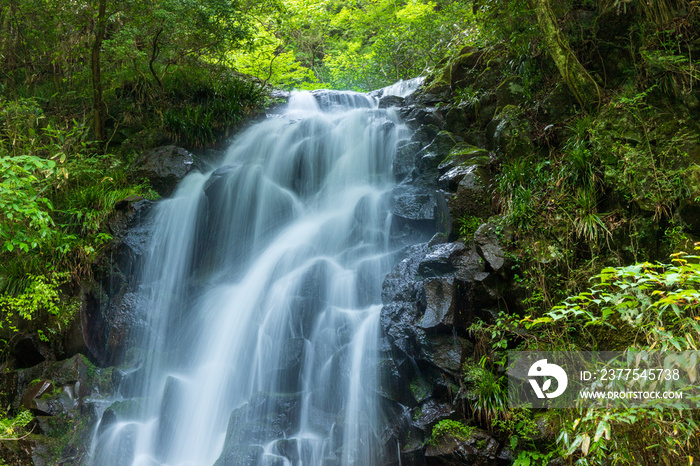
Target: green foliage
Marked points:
366	45
13	427
533	458
467	225
633	435
643	306
448	428
40	300
26	222
487	395
207	108
520	427
660	301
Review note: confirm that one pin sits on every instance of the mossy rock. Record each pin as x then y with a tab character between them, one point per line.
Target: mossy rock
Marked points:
510	92
438	90
464	154
473	197
127	409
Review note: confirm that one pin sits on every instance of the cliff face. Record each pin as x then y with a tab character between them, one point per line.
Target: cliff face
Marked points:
509	169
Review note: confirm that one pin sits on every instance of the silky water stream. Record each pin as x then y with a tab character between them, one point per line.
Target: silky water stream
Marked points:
262	288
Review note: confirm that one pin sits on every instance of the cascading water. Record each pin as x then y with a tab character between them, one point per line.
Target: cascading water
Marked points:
262	290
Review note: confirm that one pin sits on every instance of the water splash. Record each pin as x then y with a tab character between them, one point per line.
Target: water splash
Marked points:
401	88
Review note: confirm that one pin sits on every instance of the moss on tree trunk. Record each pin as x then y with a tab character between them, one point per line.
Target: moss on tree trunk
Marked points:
580	82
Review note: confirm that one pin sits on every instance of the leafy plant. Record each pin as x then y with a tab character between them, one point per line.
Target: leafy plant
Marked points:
40	300
468	224
13	427
487	395
448	428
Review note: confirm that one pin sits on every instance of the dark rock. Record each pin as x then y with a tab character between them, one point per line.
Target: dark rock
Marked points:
462	66
439	302
109	418
418	116
289	366
109	308
239	455
510	133
440	259
441	145
488	246
405	159
689	212
468	266
34	391
480	449
472	197
167	421
391	386
433	411
448	352
400	284
129	382
73	341
28	351
438	238
559	104
390	101
110	323
217	177
399	323
510	92
266	417
120	448
462	161
164	167
413	203
438	89
460	117
425	134
464	154
450	180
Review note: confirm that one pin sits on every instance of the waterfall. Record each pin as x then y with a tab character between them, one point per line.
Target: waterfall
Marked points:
261	292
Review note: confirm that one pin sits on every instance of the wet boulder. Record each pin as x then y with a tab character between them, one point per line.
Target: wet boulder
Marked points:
479	449
462	153
447	352
405	158
416	116
265	417
473	196
424	134
439	303
164	167
440	259
389	101
110	311
412	203
488	239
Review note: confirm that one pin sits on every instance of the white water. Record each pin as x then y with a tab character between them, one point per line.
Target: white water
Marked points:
263	290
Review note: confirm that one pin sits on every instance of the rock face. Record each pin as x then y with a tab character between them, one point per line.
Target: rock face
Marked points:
164	167
109	312
62	396
441	286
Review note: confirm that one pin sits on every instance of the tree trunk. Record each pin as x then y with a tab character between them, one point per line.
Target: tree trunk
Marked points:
582	85
96	71
8	44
